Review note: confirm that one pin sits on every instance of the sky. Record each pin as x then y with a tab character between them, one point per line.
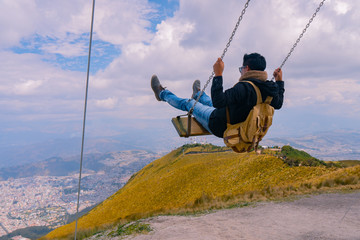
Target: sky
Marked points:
43	62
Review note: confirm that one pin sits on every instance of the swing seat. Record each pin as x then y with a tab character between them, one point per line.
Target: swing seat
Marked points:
181	125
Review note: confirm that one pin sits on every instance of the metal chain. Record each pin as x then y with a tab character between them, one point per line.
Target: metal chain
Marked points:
301	35
222	55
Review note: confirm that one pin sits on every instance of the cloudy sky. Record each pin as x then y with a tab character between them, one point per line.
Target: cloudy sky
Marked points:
44	47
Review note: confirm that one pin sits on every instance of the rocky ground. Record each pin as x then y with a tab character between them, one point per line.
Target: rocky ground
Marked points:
327	216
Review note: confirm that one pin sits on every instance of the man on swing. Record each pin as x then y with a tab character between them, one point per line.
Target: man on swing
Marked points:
240	99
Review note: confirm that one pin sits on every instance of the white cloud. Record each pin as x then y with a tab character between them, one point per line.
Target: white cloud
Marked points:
108	103
66	49
323	69
123	22
16	21
28	72
139	101
26	87
341	7
117	22
341	91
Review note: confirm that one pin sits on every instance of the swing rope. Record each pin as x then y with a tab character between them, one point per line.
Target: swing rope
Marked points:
228	44
223	54
301	35
84	119
212	74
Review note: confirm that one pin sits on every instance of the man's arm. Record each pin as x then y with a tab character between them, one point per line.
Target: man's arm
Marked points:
221	98
278	74
218	67
278	100
217	94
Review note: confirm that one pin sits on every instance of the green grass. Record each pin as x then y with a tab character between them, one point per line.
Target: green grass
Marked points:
294	157
131	228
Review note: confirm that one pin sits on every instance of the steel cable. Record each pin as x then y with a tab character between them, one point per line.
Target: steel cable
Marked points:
84	119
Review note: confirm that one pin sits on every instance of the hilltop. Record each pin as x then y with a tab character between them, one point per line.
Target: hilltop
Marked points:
198	177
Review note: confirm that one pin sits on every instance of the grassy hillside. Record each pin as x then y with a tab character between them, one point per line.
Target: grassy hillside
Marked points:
196	177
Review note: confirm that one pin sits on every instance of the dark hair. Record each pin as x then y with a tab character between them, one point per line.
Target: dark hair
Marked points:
254	61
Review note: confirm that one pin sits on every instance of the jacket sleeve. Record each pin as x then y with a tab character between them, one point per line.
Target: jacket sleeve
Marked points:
217	94
232	95
278	99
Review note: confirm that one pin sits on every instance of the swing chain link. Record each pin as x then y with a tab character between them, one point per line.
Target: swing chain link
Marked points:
300	36
222	55
235	29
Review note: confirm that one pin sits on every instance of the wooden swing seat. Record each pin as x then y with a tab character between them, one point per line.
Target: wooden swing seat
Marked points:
181	125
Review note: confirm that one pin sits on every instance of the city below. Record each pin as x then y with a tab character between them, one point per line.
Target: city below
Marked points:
51	200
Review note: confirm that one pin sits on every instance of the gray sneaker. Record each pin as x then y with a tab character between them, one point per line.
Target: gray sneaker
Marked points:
156	87
196	88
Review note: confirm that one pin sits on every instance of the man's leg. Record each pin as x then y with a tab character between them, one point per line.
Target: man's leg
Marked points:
201	112
204	99
173	100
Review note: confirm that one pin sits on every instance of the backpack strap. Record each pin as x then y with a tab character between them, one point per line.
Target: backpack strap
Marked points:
258	101
258	94
268	100
227	115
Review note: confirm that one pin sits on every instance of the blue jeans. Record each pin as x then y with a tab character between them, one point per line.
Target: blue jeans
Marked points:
202	110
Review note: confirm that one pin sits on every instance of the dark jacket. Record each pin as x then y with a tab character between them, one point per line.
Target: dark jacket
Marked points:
240	99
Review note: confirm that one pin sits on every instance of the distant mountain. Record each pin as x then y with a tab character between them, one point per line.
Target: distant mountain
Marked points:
64	148
335	145
13	155
94	162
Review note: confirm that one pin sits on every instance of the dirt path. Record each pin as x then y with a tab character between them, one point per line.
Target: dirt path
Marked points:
327	216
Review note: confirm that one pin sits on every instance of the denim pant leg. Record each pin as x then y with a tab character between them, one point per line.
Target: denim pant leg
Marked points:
204	99
201	112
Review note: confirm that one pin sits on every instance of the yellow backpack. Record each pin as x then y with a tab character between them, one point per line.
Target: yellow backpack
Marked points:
245	136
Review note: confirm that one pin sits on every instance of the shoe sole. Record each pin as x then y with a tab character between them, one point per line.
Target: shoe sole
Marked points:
195	90
155	85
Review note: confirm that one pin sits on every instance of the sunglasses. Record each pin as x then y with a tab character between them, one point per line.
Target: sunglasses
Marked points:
241	69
